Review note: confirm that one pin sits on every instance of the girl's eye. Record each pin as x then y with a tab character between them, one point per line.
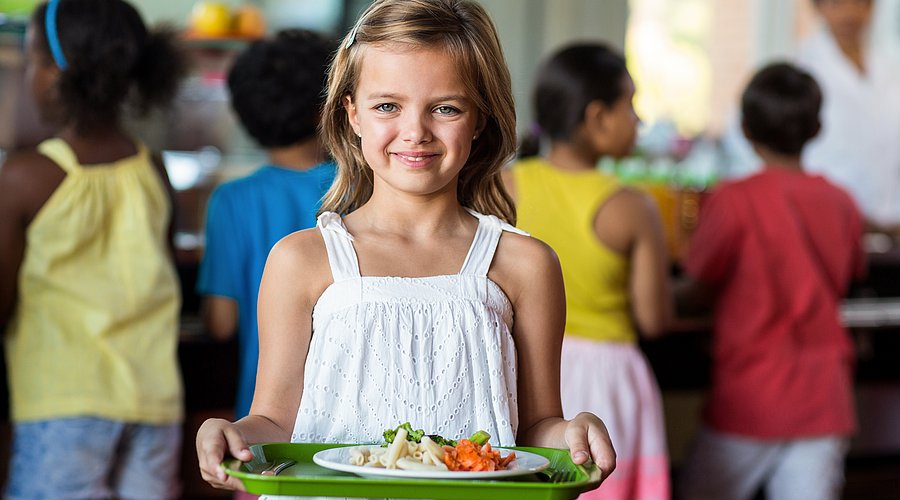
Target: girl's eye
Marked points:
446	110
386	108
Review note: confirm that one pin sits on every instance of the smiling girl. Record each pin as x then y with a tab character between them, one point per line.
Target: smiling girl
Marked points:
414	299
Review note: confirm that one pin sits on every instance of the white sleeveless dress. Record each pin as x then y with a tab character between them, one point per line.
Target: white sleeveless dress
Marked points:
434	351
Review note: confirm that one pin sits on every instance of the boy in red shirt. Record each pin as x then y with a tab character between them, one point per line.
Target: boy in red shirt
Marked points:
773	255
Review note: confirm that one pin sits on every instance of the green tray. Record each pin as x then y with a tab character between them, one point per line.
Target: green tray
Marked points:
561	480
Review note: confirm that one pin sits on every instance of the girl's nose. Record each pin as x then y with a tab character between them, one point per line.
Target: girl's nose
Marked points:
415	129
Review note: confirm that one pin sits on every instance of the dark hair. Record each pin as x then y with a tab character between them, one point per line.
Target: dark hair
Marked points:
113	60
566	83
278	86
780	108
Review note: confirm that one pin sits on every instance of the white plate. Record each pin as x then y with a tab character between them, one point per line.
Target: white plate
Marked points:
339	459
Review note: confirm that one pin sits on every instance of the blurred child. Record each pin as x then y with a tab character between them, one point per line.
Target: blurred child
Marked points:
402	309
276	90
611	247
86	277
774	255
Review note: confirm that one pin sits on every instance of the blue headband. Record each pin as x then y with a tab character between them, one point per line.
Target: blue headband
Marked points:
53	36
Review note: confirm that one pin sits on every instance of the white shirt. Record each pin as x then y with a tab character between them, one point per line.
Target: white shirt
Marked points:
858	147
436	351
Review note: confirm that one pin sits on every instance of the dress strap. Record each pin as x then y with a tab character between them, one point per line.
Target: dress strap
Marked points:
339	245
59	151
487	236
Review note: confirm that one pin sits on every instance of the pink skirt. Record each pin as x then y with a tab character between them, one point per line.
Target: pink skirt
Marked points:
614	381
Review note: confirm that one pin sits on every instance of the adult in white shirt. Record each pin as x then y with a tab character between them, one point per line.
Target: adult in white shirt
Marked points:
858	147
859	144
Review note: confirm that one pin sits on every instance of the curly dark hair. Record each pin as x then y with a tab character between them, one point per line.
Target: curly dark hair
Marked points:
780	108
113	61
277	86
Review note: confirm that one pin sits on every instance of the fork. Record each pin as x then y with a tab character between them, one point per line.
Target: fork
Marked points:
277	467
563	475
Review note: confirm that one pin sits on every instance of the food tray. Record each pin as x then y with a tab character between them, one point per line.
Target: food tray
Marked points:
562	480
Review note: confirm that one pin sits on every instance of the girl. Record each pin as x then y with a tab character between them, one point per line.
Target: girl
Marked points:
87	284
403	309
610	244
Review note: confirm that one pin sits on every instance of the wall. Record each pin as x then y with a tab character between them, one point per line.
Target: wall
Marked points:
531	29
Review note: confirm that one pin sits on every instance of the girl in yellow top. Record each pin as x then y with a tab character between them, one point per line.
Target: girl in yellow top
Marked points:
88	292
610	244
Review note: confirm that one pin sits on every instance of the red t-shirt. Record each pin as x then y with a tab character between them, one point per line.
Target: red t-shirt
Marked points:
781	248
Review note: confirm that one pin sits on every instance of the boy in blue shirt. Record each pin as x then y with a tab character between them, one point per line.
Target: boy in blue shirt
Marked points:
276	90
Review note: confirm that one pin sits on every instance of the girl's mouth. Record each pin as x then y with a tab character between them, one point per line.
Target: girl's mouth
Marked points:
415	159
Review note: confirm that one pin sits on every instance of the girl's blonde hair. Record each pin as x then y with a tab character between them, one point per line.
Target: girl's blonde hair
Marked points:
466	31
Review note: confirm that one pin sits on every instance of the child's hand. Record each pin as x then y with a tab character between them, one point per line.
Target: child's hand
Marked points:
215	437
588	438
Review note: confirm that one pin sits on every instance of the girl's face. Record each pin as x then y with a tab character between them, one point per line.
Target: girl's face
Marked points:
414	118
41	75
846	19
618	124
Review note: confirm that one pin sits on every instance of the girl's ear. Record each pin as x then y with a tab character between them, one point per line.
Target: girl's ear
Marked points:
595	115
352	116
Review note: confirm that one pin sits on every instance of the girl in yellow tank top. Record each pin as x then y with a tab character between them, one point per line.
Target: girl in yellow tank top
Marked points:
610	244
89	296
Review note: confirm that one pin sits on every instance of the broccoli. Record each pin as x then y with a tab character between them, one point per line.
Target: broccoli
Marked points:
480	438
415	435
441	440
412	435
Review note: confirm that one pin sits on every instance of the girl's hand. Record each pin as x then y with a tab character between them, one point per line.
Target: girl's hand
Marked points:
588	438
214	438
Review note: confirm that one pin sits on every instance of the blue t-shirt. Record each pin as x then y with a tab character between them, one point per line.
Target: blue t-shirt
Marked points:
245	218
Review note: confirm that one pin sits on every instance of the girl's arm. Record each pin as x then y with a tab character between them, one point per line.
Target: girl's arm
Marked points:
295	275
160	167
220	316
630	224
12	234
538	297
27	180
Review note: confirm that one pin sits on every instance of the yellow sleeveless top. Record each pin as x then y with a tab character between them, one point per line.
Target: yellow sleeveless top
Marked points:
559	208
95	330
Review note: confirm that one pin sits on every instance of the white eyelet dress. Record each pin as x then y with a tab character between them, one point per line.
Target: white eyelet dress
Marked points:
434	351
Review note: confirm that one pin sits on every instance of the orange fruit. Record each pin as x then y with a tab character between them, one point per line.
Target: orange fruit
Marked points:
210	19
249	22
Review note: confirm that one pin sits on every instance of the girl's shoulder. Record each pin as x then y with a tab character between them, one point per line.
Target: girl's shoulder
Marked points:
26	166
306	245
301	251
27	179
519	248
629	202
522	261
627	215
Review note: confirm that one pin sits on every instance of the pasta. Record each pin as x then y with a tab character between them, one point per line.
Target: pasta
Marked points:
412	456
428	455
395	449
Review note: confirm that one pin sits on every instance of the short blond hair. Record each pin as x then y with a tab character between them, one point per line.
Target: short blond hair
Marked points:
466	31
